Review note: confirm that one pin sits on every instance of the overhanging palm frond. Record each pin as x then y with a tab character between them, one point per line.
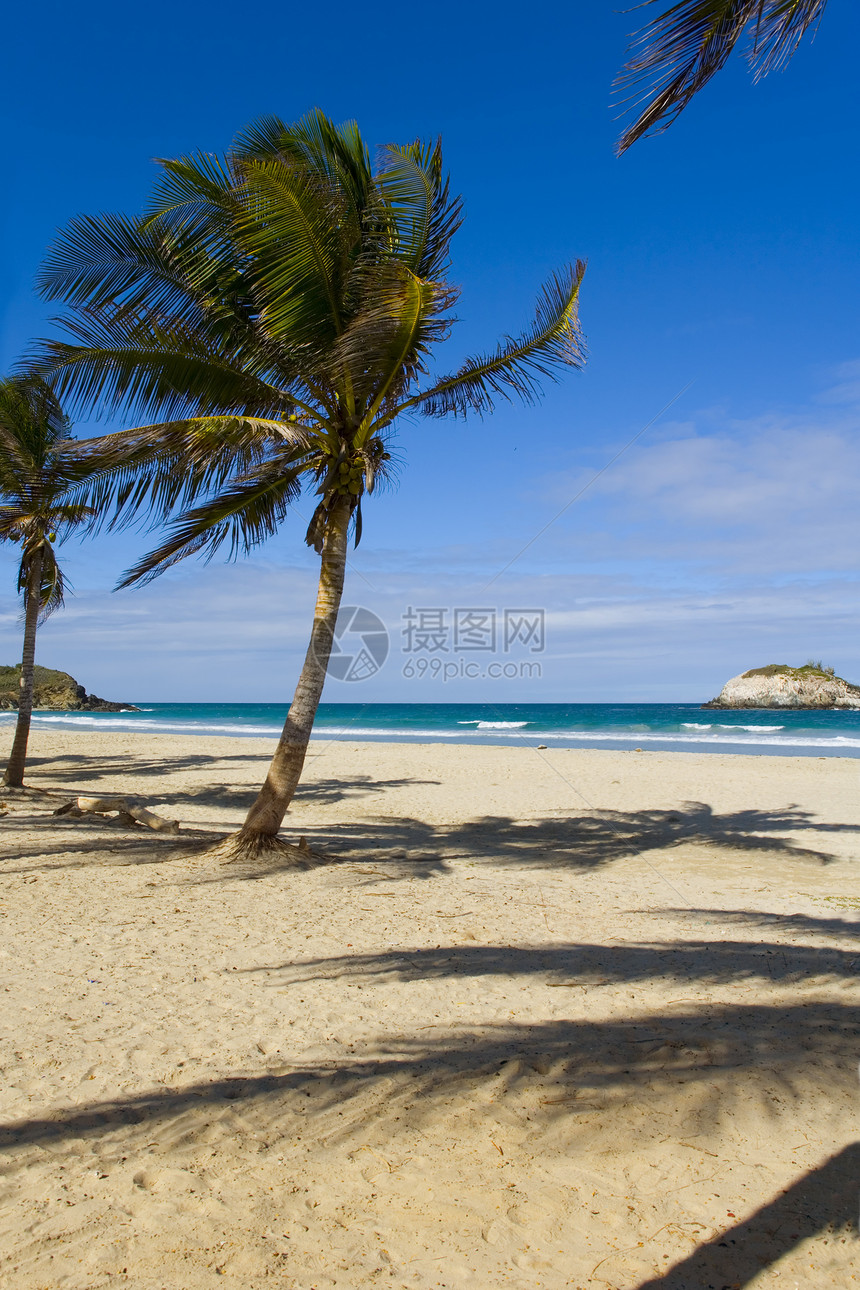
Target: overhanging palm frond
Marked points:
313	145
518	365
52	591
678	52
778	31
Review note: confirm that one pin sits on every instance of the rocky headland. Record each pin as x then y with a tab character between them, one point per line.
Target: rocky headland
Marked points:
781	686
54	692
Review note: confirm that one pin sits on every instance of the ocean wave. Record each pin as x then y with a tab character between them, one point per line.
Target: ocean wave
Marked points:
152	726
495	725
722	725
690	735
599	736
777	741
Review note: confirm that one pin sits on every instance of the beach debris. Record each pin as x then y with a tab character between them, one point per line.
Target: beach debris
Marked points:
125	811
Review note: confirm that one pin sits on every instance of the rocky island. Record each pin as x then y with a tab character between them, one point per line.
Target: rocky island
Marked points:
55	692
781	686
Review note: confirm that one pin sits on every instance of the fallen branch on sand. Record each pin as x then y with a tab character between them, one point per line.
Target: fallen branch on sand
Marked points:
127	811
229	850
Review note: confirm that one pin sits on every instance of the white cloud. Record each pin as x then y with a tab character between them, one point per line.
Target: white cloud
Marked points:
753	498
722	544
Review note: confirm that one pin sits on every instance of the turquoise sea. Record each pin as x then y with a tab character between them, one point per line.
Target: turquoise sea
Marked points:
679	727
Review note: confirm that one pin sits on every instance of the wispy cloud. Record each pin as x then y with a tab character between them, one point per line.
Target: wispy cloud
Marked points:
722	544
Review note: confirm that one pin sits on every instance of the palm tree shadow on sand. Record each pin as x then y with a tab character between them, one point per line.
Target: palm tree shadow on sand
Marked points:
823	1200
583	840
559	1075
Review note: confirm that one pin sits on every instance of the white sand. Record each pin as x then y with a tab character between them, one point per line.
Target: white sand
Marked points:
601	1014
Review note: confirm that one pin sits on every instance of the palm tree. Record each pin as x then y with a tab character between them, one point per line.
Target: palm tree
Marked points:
677	53
274	314
42	470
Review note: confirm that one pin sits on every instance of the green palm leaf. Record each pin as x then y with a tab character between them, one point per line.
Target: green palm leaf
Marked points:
41	467
424	215
284	299
245	514
168	369
517	365
159	468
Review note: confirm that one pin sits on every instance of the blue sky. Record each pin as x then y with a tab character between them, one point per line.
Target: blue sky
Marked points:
723	253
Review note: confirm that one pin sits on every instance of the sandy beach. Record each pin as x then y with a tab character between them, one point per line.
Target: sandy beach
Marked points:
560	1018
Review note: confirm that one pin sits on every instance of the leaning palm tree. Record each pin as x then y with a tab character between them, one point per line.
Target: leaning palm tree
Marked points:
42	471
273	315
677	53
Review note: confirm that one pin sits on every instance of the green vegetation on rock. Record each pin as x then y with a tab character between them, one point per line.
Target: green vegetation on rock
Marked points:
53	690
812	668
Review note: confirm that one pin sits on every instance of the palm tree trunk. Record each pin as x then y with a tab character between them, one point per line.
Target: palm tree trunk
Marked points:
265	817
14	776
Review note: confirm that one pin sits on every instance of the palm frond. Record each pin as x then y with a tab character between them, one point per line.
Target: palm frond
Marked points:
300	233
397	320
779	29
113	260
52	591
518	365
159	468
676	54
200	190
32	421
141	366
245	514
425	216
313	145
11	529
52	584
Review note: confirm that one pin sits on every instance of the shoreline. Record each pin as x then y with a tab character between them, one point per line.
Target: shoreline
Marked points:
689	746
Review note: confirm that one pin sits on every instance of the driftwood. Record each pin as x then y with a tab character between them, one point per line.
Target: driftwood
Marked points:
127	811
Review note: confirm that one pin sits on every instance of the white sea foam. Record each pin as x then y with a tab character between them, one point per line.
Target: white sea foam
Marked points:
777	741
719	725
602	736
495	725
502	725
752	727
151	726
694	734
